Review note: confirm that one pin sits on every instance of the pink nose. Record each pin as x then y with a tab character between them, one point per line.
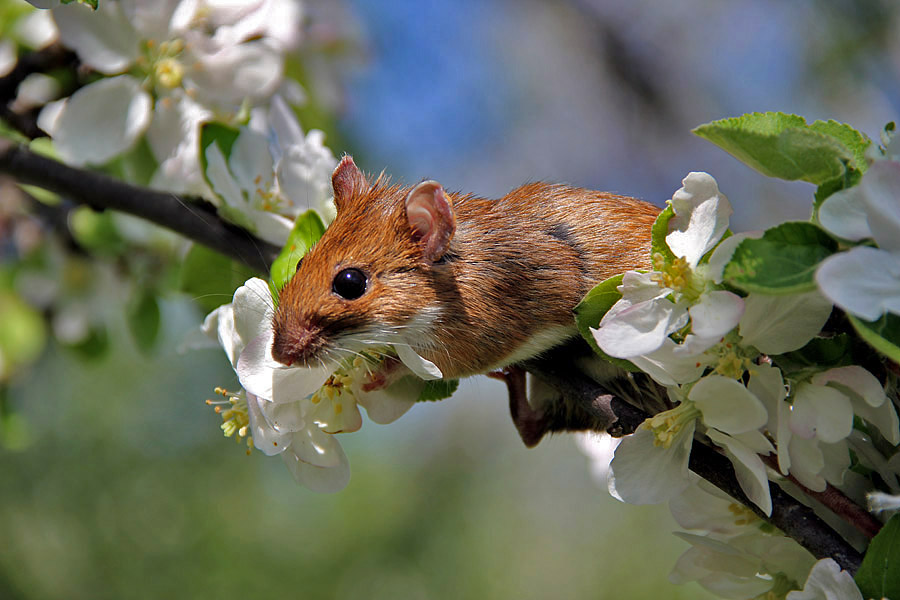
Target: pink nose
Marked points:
296	345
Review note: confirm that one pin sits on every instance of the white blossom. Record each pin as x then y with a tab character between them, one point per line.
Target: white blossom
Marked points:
295	411
865	281
273	173
828	582
176	63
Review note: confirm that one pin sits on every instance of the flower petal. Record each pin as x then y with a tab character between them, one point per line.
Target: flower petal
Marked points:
716	313
315	447
643	473
304	175
827	582
225	76
102	120
864	281
701	217
867	397
748	467
174	138
271	227
857	379
844	214
253	309
423	368
727	405
639	329
221	179
103	39
779	324
386	405
881	188
284	125
251	162
265	438
319	479
821	412
261	375
807	462
669	366
339	414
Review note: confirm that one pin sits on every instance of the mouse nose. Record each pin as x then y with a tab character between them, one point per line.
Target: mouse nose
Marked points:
296	345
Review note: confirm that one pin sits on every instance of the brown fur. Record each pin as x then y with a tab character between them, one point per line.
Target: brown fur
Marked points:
515	267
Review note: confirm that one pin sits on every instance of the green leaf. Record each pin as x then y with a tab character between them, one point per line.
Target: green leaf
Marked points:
96	231
784	146
879	574
590	311
822	353
438	389
853	140
216	133
883	334
782	261
211	278
137	165
23	333
307	230
143	319
93	347
658	235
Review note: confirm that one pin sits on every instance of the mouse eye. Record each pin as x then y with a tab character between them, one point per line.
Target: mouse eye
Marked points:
349	284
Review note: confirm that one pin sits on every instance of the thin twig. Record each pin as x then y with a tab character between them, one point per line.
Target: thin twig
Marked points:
836	501
196	220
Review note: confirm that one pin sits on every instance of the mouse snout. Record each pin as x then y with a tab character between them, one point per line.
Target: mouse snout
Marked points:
296	345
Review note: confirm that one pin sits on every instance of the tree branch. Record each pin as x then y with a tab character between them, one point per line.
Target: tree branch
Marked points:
194	220
591	406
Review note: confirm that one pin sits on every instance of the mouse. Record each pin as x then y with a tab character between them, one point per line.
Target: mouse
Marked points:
471	284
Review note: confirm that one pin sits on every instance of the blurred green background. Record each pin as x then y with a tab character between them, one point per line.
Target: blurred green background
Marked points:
116	481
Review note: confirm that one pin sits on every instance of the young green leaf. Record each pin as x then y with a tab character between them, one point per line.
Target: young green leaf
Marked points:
658	235
590	311
879	574
438	389
883	334
782	261
784	146
307	230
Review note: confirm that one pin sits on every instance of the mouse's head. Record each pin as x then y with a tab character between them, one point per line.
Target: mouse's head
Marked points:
369	281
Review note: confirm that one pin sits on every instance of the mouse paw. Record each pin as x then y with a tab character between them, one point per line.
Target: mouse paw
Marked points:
532	424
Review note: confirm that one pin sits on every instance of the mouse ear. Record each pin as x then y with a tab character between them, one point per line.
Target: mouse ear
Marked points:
431	218
346	180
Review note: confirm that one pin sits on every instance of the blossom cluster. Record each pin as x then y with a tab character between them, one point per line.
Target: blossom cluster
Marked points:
732	365
295	411
716	352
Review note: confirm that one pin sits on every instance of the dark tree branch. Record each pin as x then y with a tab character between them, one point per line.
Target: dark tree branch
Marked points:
197	221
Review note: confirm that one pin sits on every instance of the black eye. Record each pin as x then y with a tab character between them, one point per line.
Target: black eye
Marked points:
349	284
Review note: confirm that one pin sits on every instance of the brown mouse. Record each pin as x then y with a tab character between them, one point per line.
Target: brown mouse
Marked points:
470	284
